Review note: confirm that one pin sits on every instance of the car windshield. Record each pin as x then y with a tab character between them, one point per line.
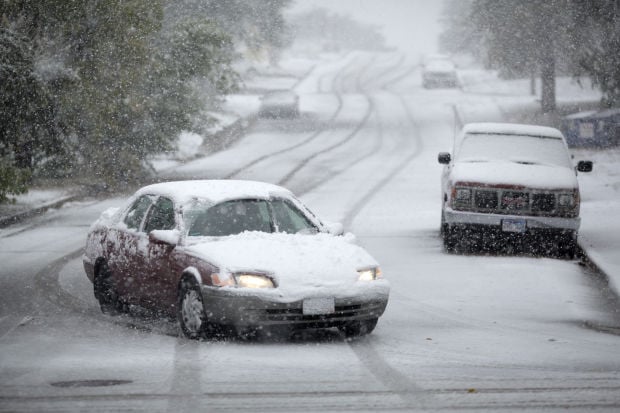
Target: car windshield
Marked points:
237	216
514	148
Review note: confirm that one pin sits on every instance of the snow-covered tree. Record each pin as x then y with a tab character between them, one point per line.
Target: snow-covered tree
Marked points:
597	31
529	37
101	85
258	25
334	31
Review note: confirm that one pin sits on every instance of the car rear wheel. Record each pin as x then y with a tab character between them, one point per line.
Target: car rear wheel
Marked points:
191	312
358	328
105	292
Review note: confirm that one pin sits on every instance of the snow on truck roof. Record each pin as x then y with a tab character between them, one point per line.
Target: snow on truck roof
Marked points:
214	190
512	129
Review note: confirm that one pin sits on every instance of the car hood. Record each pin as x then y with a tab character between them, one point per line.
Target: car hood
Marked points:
302	265
535	176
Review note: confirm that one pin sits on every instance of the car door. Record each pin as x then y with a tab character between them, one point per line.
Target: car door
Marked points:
123	247
157	280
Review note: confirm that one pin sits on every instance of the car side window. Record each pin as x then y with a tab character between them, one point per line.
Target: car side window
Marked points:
136	213
289	218
161	216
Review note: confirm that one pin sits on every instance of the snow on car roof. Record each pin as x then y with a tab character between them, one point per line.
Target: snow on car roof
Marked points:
512	129
214	190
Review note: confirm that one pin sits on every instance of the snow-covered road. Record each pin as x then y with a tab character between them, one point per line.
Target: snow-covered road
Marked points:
461	332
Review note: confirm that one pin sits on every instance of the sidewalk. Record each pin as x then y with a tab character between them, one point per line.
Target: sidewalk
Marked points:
36	201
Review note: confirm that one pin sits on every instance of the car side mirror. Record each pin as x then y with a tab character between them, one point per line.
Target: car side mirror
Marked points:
168	237
444	158
584	166
334	228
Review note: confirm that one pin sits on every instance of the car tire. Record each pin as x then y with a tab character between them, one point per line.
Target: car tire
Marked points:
358	328
567	246
449	239
191	312
104	291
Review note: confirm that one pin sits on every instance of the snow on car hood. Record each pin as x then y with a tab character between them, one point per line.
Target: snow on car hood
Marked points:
513	173
302	265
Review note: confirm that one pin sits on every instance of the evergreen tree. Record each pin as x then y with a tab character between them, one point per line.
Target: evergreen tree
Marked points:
596	29
518	37
93	87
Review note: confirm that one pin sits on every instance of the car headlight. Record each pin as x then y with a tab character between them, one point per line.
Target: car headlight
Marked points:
461	197
222	280
566	200
369	274
246	280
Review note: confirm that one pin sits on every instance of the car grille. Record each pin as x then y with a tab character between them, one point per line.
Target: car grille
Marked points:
485	199
514	202
342	313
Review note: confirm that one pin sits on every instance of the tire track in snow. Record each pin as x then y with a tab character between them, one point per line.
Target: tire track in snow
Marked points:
341	88
370	109
313	136
373	191
364	348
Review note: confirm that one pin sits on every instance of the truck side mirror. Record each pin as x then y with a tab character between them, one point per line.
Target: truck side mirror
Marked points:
444	158
584	166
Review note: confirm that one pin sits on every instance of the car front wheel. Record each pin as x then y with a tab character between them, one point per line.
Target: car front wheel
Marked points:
191	311
449	238
567	246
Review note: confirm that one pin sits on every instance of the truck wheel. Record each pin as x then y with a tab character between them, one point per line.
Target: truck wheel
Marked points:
567	246
449	239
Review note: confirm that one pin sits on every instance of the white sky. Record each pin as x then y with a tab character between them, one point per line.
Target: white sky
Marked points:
412	26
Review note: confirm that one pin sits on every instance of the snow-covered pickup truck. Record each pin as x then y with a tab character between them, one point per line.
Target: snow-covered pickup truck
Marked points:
510	185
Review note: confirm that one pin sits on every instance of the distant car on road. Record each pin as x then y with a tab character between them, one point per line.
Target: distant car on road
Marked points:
279	104
439	73
508	183
232	255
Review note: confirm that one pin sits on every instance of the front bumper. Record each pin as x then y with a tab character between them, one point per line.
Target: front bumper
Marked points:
226	307
533	223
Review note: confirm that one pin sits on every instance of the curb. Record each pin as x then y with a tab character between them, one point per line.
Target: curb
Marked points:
225	137
20	216
597	268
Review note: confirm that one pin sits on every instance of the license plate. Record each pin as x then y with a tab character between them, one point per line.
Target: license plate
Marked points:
513	225
314	306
